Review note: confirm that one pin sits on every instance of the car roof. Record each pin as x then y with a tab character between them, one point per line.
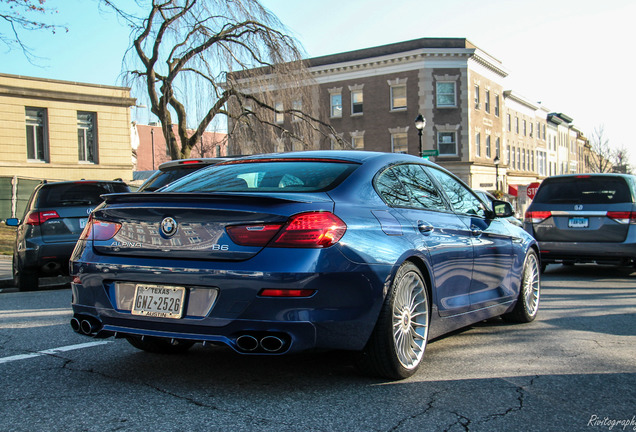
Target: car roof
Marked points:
591	175
358	156
46	183
191	162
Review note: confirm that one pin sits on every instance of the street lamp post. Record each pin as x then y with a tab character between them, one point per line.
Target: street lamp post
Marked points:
420	122
497	161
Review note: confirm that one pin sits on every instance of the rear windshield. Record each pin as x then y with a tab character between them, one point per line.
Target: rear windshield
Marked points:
584	190
266	176
76	194
162	178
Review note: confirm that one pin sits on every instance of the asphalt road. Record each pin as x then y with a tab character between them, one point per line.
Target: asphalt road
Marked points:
573	369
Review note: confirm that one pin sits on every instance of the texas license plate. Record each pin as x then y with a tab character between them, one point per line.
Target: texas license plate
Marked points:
578	222
158	301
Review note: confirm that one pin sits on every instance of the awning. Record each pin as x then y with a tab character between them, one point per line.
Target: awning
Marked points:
513	190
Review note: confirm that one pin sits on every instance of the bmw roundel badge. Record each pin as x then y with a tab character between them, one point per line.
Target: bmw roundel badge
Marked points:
168	226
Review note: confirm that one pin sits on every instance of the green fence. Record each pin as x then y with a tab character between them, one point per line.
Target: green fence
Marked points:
14	195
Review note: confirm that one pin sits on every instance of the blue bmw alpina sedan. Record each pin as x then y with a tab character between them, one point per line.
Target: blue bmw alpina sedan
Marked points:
369	252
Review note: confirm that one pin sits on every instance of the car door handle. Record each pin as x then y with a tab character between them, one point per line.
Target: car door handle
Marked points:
424	228
476	232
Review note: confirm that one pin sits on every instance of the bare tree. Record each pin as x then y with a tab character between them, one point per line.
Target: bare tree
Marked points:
601	154
201	59
621	161
19	16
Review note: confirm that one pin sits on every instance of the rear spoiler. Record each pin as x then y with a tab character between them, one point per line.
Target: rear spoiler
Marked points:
172	197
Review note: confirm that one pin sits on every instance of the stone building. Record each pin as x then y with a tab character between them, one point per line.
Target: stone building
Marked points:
59	130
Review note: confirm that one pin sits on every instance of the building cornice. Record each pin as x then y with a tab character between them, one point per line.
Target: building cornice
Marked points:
520	99
417	56
64	96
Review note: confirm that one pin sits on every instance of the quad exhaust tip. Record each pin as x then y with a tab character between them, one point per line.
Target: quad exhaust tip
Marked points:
268	343
85	326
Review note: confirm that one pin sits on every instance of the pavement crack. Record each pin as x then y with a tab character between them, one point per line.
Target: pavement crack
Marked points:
463	421
428	407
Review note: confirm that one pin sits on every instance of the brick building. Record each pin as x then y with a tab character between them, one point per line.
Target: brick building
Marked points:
489	136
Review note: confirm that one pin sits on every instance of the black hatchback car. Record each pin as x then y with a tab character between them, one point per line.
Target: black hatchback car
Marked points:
53	220
584	218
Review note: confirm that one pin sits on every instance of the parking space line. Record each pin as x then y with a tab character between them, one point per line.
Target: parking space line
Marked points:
52	351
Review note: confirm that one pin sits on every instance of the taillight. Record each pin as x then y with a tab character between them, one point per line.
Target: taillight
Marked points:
252	235
304	230
622	217
536	217
311	230
38	218
98	230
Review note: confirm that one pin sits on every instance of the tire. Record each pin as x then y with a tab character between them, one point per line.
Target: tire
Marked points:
529	292
23	278
396	346
160	345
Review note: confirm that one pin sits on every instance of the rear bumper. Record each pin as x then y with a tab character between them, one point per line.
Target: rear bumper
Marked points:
47	258
554	252
341	314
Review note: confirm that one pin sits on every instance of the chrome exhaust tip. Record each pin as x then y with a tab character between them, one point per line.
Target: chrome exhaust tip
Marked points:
247	343
87	327
272	344
75	325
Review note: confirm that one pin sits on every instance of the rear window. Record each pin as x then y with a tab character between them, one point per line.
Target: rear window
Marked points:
162	178
266	176
584	190
76	194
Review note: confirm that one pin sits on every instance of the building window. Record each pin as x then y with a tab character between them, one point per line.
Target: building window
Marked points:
357	140
478	144
524	128
513	165
36	134
517	125
399	143
497	105
356	101
297	105
509	122
446	95
487	101
447	143
86	137
335	102
279	115
518	165
398	97
476	97
498	147
488	146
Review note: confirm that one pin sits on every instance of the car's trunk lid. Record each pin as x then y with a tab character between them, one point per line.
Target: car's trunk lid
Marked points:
193	225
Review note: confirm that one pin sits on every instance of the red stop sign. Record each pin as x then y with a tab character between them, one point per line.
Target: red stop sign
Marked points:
532	189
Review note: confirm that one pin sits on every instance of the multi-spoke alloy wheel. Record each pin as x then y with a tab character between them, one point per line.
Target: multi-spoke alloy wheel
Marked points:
410	319
397	344
529	291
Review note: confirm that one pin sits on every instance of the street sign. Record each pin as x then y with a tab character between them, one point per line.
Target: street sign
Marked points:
430	153
532	189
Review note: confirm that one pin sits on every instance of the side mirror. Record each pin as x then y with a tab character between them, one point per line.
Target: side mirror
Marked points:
12	222
502	209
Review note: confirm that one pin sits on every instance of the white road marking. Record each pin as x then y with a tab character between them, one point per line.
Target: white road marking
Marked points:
52	351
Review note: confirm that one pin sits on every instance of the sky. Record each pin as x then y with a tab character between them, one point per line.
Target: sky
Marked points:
574	56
